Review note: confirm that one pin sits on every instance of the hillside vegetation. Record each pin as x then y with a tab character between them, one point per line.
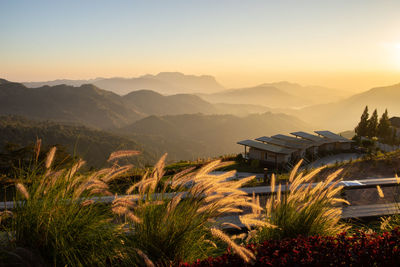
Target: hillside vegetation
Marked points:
92	106
89	144
86	104
198	135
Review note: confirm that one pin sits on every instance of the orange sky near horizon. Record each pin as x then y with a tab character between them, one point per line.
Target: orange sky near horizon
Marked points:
348	45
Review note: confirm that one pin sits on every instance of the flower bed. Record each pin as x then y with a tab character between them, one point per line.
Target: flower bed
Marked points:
359	249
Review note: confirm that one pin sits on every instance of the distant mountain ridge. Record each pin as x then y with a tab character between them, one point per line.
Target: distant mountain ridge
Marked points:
199	135
95	107
345	114
86	104
277	95
163	82
153	103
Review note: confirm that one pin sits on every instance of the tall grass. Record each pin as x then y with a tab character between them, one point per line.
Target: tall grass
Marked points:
302	209
161	221
178	220
55	223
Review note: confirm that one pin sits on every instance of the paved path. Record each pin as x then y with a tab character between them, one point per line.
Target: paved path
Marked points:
239	175
328	160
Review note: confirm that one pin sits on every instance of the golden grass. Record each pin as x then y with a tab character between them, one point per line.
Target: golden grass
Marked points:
380	192
303	209
211	195
122	154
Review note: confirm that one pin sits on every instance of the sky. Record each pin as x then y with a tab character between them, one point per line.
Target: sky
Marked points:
350	45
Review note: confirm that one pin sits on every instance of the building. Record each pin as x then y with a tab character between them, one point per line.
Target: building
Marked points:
310	146
267	153
323	144
340	143
282	149
299	149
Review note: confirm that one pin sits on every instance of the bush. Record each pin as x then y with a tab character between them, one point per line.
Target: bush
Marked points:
359	249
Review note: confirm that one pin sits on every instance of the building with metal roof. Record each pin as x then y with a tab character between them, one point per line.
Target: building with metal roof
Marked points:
282	149
305	143
300	149
267	153
311	137
280	142
333	136
340	142
311	147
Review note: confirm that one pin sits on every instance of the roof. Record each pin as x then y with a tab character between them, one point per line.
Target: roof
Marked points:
281	142
266	147
306	143
312	137
333	136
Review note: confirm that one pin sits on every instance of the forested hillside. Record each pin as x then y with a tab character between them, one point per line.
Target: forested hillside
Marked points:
94	146
199	135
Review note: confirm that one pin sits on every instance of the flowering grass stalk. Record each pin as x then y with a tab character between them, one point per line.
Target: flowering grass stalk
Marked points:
302	209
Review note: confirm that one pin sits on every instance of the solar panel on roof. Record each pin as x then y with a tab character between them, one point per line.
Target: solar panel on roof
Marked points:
306	143
333	136
312	137
281	142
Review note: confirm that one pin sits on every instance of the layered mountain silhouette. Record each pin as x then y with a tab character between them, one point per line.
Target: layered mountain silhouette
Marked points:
199	135
95	107
195	125
277	95
182	124
86	104
153	103
345	114
164	83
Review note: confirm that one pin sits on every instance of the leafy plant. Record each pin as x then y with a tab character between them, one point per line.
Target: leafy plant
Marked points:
358	249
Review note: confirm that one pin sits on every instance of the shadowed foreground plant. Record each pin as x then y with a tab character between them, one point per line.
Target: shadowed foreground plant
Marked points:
55	221
302	209
176	220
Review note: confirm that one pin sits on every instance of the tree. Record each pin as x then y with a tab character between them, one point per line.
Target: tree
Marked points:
362	127
373	125
384	128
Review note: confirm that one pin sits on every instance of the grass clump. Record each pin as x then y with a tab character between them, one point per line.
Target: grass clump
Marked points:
178	220
56	223
302	209
59	218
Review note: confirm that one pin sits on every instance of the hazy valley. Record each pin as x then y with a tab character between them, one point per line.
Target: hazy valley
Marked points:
203	120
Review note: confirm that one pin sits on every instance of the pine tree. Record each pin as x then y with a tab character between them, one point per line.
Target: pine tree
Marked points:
384	127
362	127
373	125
